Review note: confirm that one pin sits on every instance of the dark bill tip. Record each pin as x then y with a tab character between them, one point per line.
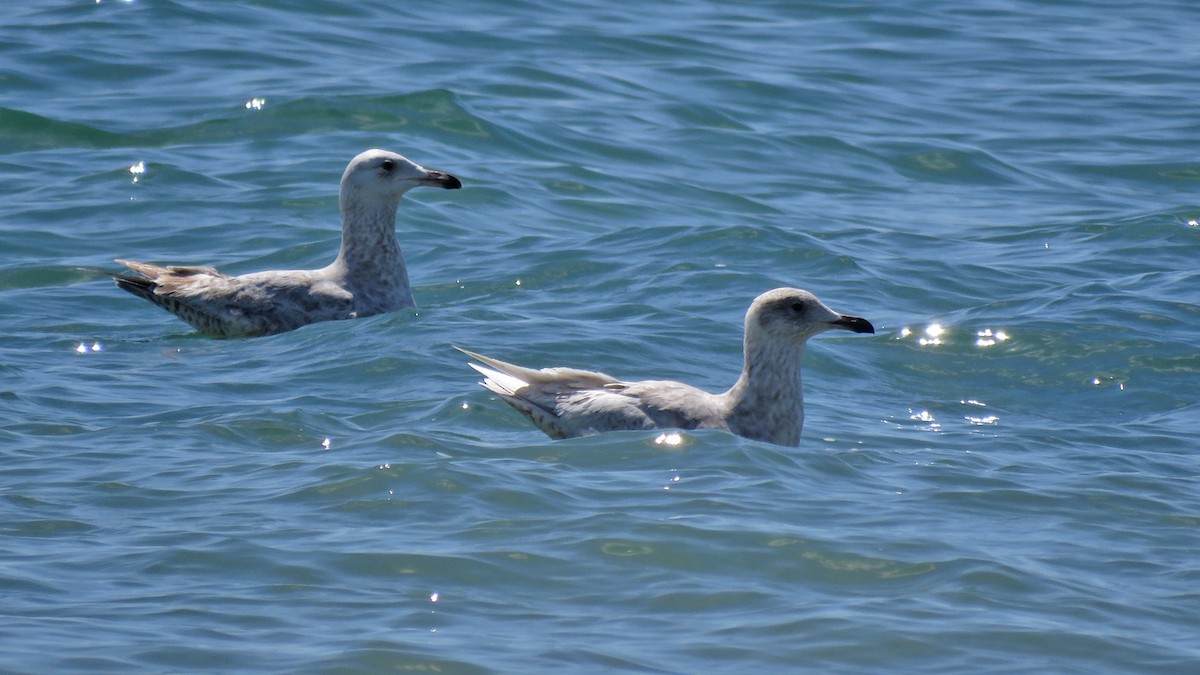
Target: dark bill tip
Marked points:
443	180
853	323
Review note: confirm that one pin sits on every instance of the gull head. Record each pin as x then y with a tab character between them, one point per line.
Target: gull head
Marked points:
386	176
792	315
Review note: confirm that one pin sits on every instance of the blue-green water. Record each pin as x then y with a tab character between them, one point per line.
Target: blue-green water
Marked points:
1004	479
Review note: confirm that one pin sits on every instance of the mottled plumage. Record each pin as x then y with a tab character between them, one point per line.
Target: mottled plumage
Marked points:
368	276
766	403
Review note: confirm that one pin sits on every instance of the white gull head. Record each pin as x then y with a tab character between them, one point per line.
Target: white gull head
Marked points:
382	177
787	317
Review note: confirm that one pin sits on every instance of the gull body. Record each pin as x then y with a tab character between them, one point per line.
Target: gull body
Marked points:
367	277
766	403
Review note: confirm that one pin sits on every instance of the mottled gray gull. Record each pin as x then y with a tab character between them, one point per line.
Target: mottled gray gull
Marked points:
766	403
368	277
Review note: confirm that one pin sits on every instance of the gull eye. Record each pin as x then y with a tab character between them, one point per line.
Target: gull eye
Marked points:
797	307
388	165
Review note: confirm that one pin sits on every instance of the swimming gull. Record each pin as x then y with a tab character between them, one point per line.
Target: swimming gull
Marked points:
766	403
368	276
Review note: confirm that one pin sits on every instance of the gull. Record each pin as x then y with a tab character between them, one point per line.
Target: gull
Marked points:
766	403
367	277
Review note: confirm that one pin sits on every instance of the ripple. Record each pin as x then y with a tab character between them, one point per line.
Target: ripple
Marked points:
173	502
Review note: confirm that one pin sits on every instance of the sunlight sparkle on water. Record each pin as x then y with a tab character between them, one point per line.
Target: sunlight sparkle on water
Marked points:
137	170
256	103
926	417
978	420
987	337
1098	381
84	348
673	438
933	335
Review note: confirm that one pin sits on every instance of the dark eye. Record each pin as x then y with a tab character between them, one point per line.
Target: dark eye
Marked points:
388	164
797	306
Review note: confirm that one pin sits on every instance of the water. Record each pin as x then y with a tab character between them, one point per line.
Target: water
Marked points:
1003	479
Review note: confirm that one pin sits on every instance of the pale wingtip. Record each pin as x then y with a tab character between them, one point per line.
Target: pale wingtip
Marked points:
498	382
493	380
468	352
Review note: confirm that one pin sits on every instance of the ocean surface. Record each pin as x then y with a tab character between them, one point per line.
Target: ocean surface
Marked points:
1005	478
